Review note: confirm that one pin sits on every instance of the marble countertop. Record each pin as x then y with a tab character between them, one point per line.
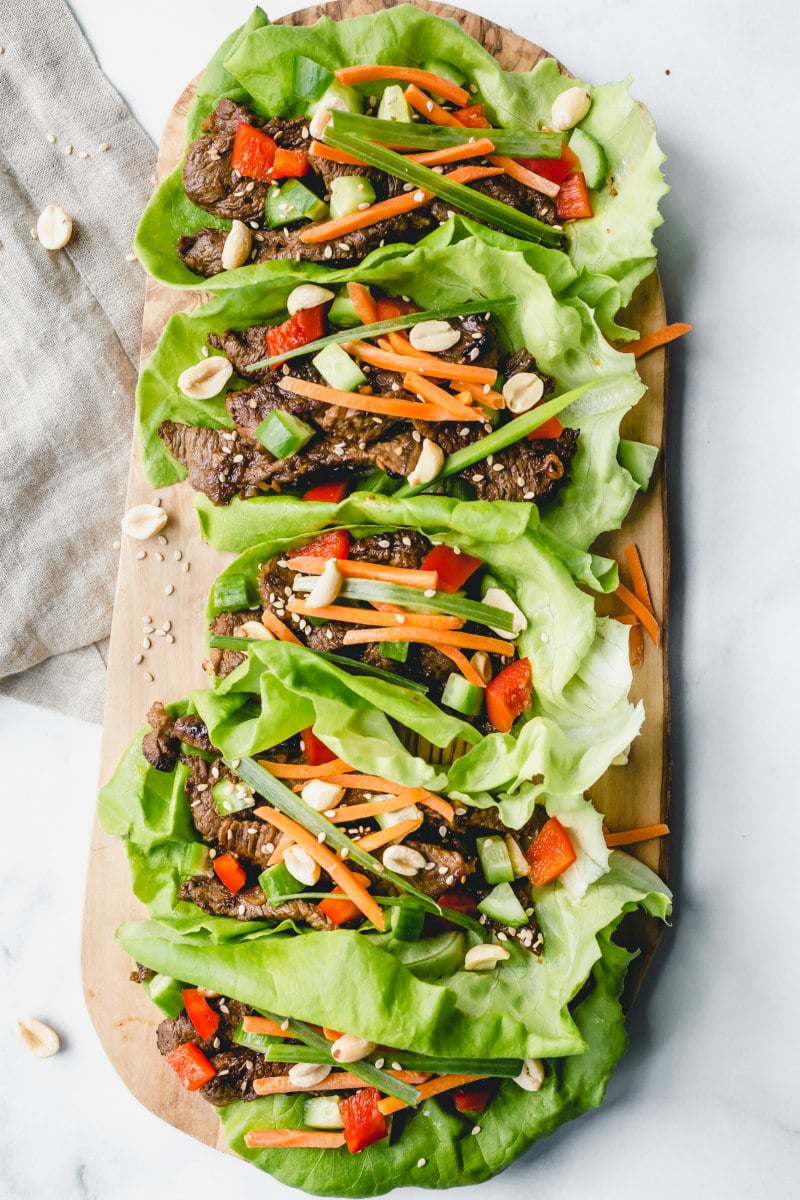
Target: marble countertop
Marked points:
706	1102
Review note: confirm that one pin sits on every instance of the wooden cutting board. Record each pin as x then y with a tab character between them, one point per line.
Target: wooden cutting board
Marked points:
167	580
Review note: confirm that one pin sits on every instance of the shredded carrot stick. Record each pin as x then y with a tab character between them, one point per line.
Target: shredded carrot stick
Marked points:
339	227
636	646
490	398
330	154
522	175
361	299
401	345
435	803
464	665
434	1087
328	861
336	1081
382	837
425	390
434	637
660	337
640	588
355	569
332	1035
298	1139
480	148
276	626
627	619
281	846
374	783
350	76
360	402
438	368
304	770
263	1025
372	808
471	174
645	616
367	616
429	108
628	837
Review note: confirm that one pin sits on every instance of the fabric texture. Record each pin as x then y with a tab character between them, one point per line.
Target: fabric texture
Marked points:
69	344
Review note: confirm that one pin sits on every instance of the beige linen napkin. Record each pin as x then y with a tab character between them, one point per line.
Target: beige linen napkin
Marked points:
69	338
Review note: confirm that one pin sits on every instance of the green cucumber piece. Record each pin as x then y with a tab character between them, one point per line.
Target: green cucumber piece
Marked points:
438	66
348	193
495	860
283	434
396	651
387	820
277	883
393	105
463	696
337	96
197	860
592	158
293	202
407	921
322	1112
230	796
166	994
338	369
260	1042
229	594
341	311
502	905
309	78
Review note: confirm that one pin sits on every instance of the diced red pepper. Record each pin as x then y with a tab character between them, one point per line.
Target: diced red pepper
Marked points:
551	853
191	1066
364	1123
509	694
341	911
253	152
453	569
471	1100
554	169
391	306
551	429
334	544
459	901
301	328
200	1013
472	116
327	493
231	872
289	164
316	752
572	201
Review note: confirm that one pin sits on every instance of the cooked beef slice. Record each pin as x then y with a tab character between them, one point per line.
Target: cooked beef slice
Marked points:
523	361
329	636
242	347
192	731
507	191
175	1031
248	905
251	840
142	974
210	457
396	548
222	662
525	470
201	252
205	815
448	870
160	747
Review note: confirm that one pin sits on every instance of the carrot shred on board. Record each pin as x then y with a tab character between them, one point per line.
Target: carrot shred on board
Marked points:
297	1139
636	646
431	392
435	637
355	569
429	108
367	616
640	589
522	175
382	837
385	405
330	154
327	861
434	158
275	625
434	1087
629	837
361	299
350	76
464	665
372	808
659	337
645	616
438	368
304	770
263	1025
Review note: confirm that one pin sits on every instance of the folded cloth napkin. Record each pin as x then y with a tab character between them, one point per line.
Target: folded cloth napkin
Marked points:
69	332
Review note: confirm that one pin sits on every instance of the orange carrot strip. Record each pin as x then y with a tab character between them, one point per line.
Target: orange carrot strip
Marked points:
464	665
628	837
434	158
276	626
281	846
339	227
438	368
636	646
361	299
382	837
366	616
425	390
332	1035
328	861
434	1087
374	783
320	150
523	175
640	588
359	812
263	1025
410	409
401	345
298	1139
304	770
471	174
352	569
645	616
429	108
413	75
627	619
490	399
435	803
660	337
435	637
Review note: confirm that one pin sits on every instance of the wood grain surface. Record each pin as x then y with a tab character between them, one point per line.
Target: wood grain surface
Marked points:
171	584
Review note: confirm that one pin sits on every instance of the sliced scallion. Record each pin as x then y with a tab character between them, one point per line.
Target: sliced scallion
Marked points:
491	1068
243	644
415	600
516	143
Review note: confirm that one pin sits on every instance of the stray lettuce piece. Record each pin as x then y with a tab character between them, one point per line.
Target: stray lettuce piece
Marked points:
639	460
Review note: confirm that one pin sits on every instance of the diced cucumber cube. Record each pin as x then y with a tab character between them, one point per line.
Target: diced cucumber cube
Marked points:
293	202
393	105
592	157
322	1112
349	193
495	859
463	696
283	434
338	369
166	993
502	905
232	796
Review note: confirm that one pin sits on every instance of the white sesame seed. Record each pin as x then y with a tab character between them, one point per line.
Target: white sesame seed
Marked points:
149	677
429	592
159	557
379	1062
285	1024
321	836
160	633
344	852
396	1066
68	149
475	1130
186	566
116	545
167	626
103	147
137	658
141	554
149	629
502	937
51	137
169	589
419	197
130	257
83	154
421	1162
162	540
146	643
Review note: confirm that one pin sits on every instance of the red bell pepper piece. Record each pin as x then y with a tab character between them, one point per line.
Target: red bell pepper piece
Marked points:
289	164
572	201
301	328
191	1066
551	429
231	872
554	169
316	752
327	493
453	569
551	853
364	1123
334	544
392	306
472	116
341	911
253	152
459	901
471	1100
200	1013
509	694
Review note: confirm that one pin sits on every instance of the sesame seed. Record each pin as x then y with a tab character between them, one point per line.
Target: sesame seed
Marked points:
502	937
429	593
475	1130
149	629
421	1162
83	154
379	1062
170	639
396	1066
162	540
149	677
419	197
138	658
344	852
442	831
186	566
321	836
103	147
68	150
51	137
408	187
141	554
169	589
116	545
159	557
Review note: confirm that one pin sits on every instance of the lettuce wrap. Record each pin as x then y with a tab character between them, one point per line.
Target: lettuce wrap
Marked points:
606	256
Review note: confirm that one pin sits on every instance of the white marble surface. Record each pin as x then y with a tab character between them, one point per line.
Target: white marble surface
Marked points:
706	1102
